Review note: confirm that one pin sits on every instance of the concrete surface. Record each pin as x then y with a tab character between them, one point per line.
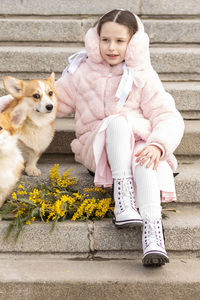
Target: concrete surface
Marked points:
147	7
42	29
187	182
176	7
38	277
54	58
190	144
186	95
181	232
69	237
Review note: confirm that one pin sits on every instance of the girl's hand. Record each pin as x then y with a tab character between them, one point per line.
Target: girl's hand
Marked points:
149	152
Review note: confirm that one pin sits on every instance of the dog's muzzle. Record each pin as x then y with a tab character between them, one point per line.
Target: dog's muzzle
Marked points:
46	109
49	107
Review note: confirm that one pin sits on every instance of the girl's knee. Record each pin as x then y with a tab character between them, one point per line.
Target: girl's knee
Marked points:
143	170
118	123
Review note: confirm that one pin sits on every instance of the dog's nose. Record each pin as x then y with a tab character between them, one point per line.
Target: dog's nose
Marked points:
49	107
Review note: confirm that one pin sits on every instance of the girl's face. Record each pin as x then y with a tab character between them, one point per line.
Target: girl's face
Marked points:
114	39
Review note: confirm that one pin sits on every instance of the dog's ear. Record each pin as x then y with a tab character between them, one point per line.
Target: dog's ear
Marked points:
14	86
52	77
18	115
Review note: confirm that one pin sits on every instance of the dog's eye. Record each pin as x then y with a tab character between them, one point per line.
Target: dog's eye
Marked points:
36	96
50	93
1	128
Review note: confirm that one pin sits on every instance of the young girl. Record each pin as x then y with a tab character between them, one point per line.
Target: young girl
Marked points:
127	126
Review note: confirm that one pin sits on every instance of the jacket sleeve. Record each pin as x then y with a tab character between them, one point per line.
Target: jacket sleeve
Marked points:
65	92
159	107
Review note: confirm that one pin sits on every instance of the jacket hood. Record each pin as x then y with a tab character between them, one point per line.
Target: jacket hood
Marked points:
137	53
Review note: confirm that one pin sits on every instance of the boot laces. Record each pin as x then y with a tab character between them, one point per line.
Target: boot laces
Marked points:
128	192
131	193
125	193
153	233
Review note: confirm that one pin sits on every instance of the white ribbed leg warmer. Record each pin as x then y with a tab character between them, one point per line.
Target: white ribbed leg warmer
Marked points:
119	157
118	147
148	196
148	192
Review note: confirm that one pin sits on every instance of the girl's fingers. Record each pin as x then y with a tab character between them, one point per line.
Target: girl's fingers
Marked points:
154	160
143	160
156	164
148	154
151	161
141	154
138	153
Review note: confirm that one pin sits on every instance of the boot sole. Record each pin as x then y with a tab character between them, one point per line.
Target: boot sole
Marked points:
127	223
155	259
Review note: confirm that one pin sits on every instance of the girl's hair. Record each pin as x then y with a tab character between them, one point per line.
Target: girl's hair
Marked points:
122	17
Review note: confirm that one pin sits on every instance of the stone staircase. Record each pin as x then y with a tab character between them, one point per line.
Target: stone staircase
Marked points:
93	260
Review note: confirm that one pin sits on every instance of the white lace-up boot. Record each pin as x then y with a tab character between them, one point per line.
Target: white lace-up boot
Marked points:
125	212
154	253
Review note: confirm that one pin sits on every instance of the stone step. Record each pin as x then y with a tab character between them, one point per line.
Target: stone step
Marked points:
56	277
47	59
172	31
102	239
41	30
85	239
62	7
31	29
186	95
187	182
165	30
190	144
75	7
178	7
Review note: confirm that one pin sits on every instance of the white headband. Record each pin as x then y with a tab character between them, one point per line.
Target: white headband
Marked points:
140	24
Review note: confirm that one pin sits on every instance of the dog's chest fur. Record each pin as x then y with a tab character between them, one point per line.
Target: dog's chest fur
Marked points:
34	137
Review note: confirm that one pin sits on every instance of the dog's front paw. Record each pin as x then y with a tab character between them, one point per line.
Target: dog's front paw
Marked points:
30	171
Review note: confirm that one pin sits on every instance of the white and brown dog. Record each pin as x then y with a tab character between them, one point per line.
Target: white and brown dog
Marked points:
11	159
39	100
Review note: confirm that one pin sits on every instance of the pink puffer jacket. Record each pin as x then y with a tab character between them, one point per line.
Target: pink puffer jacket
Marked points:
90	92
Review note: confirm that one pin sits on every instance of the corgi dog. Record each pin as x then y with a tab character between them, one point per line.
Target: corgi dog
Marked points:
11	159
40	101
